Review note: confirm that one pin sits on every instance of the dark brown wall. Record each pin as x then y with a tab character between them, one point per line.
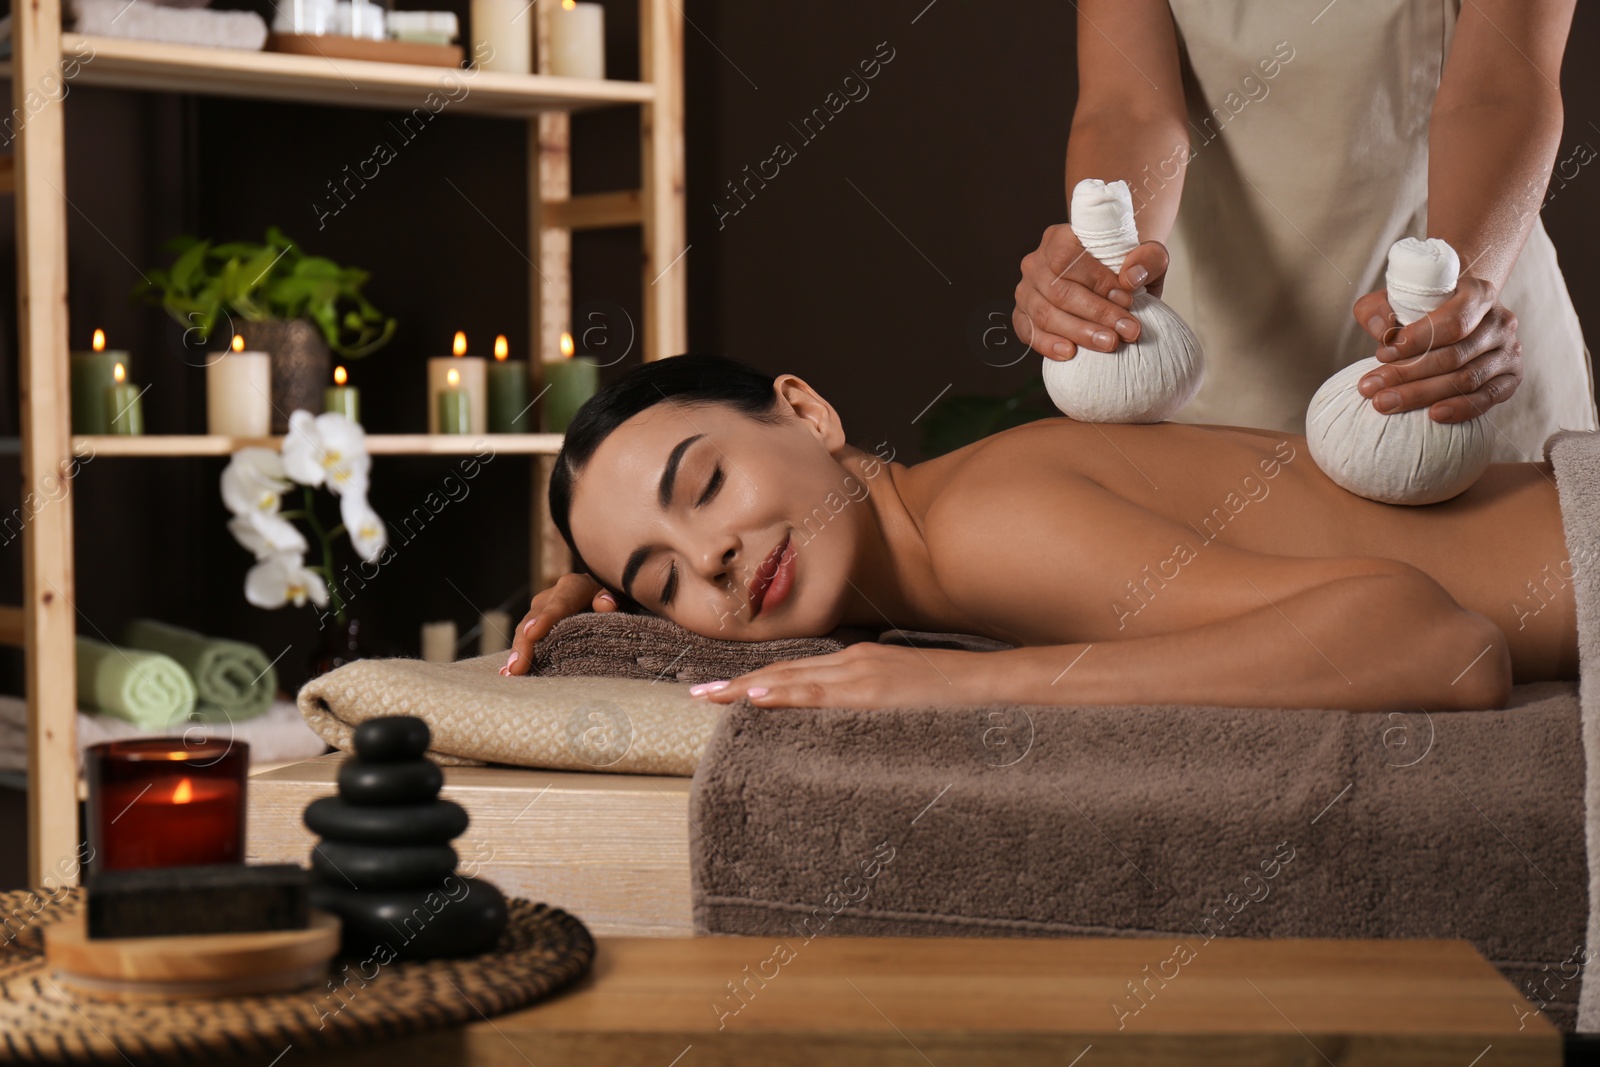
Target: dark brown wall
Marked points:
864	264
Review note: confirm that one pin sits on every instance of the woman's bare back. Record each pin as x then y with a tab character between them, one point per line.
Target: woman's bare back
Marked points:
1497	549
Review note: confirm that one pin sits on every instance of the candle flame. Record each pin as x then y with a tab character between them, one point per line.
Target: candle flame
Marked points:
99	340
566	343
500	347
183	793
118	373
238	342
339	376
458	347
454	378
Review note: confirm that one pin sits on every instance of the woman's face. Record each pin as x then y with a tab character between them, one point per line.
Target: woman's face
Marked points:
730	527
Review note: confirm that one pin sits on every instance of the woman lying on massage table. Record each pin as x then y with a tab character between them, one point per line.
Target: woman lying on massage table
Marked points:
1153	564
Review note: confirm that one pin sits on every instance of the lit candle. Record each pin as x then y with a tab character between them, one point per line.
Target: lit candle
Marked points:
91	377
345	399
166	802
239	392
569	381
508	393
455	406
471	375
124	411
506	26
578	40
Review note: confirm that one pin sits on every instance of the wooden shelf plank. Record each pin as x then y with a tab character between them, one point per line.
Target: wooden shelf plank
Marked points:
159	66
596	211
404	444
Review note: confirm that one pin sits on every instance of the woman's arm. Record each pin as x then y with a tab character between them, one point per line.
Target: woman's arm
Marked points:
1495	129
1130	124
1388	640
1131	121
1492	140
1126	606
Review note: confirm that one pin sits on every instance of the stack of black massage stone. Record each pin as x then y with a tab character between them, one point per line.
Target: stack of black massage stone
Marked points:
385	865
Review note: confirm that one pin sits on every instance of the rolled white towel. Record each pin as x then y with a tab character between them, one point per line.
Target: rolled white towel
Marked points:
1407	457
1148	380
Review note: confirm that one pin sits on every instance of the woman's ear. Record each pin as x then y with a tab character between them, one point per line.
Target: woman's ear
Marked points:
813	411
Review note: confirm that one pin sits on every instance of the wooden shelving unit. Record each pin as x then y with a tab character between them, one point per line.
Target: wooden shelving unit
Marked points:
45	623
390	444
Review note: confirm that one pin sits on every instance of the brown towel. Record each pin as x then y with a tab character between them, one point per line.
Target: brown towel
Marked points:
1179	823
621	645
617	644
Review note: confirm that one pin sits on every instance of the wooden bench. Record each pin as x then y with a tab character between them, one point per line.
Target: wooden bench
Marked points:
612	849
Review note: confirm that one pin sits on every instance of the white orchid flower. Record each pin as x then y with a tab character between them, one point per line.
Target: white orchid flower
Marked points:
282	579
254	482
366	530
267	534
327	449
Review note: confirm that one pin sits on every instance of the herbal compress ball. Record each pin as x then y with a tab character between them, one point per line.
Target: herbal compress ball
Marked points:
1407	457
1147	380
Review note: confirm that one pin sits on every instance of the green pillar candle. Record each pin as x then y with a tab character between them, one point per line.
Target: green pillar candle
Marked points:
568	383
92	375
455	409
509	410
345	399
124	410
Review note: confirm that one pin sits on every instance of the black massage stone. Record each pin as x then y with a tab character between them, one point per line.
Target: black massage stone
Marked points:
411	782
386	824
340	863
391	739
464	917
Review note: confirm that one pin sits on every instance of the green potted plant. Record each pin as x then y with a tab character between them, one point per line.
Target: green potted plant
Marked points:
295	307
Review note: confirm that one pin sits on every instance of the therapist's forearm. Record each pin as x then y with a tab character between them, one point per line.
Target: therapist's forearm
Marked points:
1148	155
1488	165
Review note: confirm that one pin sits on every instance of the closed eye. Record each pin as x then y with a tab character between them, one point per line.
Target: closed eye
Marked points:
671	587
712	486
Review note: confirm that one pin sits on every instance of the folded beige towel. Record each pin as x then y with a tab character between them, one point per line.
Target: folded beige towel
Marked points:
623	725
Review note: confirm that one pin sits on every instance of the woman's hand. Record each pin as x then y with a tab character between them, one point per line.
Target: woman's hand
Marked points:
1459	361
864	675
571	594
1067	298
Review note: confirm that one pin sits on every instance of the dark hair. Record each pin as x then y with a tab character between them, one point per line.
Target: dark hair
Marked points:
687	379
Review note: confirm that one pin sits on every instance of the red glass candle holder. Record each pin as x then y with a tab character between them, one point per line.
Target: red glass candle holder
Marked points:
166	802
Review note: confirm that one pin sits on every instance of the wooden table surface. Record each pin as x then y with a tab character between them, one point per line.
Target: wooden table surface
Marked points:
949	1002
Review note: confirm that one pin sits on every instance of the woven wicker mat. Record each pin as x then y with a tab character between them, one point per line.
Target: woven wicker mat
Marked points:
542	950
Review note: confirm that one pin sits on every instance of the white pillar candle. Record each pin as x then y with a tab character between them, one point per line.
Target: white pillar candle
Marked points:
473	375
494	633
506	26
239	392
578	40
439	641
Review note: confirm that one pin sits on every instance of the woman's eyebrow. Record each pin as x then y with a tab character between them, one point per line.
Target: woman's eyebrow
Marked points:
669	473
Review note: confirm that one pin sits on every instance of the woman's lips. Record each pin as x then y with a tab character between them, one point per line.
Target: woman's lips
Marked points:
773	579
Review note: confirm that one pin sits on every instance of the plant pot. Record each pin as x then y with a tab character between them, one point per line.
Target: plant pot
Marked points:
301	364
341	643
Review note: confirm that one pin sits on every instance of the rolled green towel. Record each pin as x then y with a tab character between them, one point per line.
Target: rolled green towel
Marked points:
146	688
233	681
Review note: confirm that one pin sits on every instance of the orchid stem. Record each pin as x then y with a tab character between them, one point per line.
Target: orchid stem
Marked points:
327	555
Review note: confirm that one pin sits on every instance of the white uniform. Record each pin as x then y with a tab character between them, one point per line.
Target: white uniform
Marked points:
1309	158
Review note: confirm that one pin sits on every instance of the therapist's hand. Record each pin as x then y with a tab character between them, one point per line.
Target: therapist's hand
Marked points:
1067	298
1458	362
